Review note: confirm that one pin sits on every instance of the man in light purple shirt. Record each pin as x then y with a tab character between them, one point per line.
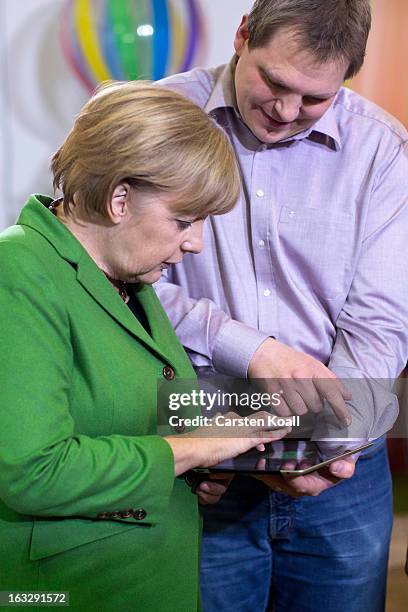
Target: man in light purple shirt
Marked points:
306	280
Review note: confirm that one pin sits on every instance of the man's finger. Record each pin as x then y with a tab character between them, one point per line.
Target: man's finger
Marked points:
310	484
330	391
223	477
307	390
273	386
343	468
282	409
293	399
278	484
212	487
204	499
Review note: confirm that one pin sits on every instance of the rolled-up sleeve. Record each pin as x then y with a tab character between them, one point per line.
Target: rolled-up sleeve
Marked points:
209	335
372	328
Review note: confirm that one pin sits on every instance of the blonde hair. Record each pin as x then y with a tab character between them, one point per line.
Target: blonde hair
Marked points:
152	138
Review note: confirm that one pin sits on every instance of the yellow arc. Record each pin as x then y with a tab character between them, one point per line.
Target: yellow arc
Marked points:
88	40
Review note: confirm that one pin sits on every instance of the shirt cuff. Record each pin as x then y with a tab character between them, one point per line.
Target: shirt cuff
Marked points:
234	348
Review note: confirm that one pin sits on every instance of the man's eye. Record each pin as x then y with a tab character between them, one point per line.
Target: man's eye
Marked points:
183	225
268	81
311	100
274	86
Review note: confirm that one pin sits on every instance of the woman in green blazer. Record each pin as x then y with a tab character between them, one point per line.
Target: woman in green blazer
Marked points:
89	499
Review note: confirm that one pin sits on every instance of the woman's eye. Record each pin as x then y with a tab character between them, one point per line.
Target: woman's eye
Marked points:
183	225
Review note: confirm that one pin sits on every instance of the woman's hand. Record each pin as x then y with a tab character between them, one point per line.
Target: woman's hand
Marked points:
206	446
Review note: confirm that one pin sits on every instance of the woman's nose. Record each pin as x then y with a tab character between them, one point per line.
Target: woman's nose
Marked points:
194	242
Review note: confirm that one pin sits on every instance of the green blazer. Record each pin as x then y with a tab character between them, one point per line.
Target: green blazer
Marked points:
88	499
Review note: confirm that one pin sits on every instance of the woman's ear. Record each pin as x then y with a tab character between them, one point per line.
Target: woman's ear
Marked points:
117	207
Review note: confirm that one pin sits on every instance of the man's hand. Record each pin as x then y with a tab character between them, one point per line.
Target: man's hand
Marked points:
311	484
302	381
210	491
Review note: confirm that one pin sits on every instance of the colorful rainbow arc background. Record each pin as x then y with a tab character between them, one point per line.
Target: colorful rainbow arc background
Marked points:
130	39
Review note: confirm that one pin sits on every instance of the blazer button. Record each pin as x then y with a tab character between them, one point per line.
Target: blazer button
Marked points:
126	514
179	428
139	514
168	373
103	515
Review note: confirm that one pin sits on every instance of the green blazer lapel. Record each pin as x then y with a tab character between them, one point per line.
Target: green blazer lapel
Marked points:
37	216
96	284
158	320
161	329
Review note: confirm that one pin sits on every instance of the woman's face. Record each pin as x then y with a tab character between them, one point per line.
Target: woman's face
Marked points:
150	236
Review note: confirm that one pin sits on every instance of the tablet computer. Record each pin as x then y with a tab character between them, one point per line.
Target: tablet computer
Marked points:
288	456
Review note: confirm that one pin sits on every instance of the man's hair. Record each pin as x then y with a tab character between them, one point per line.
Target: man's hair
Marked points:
330	29
152	138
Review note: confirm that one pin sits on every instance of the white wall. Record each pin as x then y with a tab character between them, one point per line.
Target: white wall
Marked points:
39	95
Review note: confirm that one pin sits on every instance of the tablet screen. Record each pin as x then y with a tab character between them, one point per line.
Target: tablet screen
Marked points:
273	459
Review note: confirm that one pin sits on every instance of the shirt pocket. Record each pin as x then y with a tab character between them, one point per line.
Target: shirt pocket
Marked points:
317	246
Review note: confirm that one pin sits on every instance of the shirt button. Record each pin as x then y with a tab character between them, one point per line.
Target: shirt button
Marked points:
292	213
260	193
261	243
139	514
267	292
168	373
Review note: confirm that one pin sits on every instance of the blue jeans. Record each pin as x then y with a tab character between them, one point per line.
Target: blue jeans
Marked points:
266	551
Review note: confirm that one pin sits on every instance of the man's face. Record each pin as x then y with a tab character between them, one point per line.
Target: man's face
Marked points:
282	90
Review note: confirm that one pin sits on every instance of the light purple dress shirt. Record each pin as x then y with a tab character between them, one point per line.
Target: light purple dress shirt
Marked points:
315	253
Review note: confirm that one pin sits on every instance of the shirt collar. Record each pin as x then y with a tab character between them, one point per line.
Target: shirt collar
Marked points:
325	131
327	126
223	94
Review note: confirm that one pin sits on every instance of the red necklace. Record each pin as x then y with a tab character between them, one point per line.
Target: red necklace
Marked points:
119	285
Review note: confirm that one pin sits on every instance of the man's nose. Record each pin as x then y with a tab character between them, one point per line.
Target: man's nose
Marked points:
194	242
287	108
